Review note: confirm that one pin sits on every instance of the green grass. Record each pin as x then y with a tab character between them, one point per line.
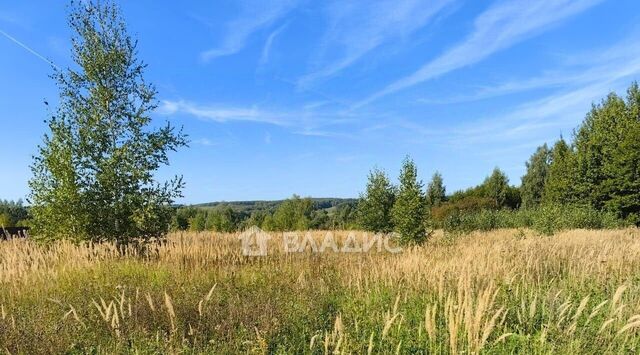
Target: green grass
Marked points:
541	292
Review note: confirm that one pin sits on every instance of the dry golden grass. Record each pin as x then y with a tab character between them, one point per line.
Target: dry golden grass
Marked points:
505	290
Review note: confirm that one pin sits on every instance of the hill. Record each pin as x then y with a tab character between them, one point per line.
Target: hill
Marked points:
320	203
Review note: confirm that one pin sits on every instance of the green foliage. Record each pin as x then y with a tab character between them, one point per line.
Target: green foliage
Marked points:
181	217
223	219
495	187
374	207
220	219
436	191
5	220
409	209
249	207
602	167
198	222
343	217
608	156
545	219
93	177
559	186
464	205
533	182
13	214
293	214
256	218
319	219
594	183
552	218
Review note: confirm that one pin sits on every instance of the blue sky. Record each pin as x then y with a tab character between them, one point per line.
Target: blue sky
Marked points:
293	96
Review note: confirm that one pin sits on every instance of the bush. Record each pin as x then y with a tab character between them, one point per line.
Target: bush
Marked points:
546	219
551	218
466	205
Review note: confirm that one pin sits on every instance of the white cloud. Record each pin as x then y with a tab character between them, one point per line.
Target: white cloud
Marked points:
205	142
546	80
497	28
255	15
314	132
619	61
297	121
356	28
576	85
544	118
612	69
266	50
223	114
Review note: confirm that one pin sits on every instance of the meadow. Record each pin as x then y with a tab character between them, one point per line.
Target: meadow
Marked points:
504	291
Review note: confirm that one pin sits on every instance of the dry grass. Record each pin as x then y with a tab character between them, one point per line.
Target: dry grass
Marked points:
500	291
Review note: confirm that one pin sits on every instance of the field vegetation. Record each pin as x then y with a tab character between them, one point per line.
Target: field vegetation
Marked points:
502	291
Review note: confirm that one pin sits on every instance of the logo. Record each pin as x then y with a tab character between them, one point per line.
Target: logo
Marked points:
254	242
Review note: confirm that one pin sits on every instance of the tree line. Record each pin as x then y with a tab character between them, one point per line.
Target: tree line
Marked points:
13	213
600	168
411	210
295	213
591	182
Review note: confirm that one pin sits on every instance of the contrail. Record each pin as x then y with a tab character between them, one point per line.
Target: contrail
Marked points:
29	49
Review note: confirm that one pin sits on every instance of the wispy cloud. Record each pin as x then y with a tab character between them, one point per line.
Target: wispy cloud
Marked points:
356	28
327	99
255	15
530	120
266	50
605	64
544	118
205	142
297	121
315	132
546	80
28	49
497	28
223	114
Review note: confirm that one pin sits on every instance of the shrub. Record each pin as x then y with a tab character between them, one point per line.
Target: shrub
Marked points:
449	210
551	218
546	219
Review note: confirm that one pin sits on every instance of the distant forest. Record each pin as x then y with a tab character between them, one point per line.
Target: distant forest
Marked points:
290	214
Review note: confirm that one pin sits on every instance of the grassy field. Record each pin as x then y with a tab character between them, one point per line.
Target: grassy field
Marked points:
496	292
